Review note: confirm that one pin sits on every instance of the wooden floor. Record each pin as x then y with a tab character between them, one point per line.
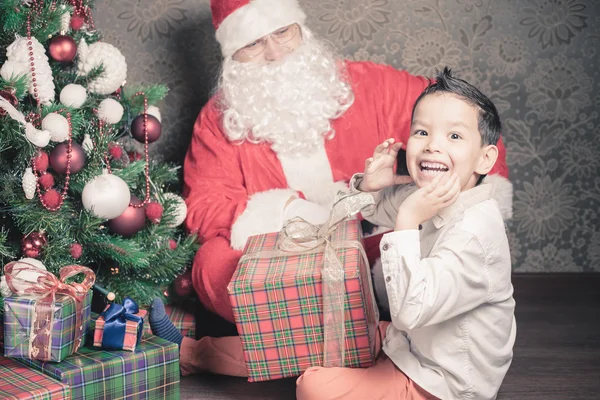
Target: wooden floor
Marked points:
556	355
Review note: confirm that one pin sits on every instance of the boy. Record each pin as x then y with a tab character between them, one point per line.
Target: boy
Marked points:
447	264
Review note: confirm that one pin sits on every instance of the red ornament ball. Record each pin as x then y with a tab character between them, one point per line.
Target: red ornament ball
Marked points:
152	125
76	22
154	212
76	250
46	180
33	244
115	151
183	284
131	221
59	158
40	161
51	198
172	244
63	48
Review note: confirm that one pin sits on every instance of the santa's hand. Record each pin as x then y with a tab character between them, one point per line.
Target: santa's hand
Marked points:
309	211
379	169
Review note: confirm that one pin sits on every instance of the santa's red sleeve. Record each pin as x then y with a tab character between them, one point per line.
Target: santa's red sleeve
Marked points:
400	91
217	199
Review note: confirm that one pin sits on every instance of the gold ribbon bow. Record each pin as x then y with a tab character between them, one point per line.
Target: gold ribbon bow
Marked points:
44	291
299	236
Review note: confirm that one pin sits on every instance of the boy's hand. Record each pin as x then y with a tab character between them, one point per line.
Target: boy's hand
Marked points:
426	202
379	169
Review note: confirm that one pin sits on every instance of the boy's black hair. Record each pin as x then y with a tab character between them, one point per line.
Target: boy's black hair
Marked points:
489	120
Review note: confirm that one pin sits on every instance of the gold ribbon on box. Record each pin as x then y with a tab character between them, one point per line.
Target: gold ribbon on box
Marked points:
44	291
299	236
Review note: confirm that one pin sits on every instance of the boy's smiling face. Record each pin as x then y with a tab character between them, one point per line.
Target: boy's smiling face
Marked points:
445	138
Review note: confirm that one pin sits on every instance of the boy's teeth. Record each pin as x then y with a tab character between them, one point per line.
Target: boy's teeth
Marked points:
433	166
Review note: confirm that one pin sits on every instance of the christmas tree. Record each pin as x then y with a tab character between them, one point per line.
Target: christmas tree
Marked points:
71	191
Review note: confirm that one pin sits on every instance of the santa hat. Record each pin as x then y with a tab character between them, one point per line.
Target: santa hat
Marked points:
239	22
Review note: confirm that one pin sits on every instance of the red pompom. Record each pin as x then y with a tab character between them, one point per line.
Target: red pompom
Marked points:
116	152
46	180
134	156
51	198
41	161
172	244
154	212
76	250
76	22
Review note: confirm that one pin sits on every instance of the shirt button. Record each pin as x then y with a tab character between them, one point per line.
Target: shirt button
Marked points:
388	278
385	247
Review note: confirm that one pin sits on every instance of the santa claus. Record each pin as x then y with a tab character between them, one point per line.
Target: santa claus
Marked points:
287	128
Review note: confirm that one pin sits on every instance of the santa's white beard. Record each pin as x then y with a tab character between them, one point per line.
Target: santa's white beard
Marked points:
289	103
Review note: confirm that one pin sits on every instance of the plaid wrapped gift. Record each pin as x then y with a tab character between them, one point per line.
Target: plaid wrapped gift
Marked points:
150	372
278	306
18	317
184	321
126	337
18	382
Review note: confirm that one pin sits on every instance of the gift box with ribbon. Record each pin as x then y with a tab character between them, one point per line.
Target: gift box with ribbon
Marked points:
149	372
24	383
48	319
120	326
303	297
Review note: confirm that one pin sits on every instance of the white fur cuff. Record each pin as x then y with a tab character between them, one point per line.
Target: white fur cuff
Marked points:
263	214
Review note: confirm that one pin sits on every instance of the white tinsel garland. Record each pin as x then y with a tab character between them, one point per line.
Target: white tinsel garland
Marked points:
18	52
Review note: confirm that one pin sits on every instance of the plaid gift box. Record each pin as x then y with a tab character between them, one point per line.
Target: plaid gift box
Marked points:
131	331
278	306
18	382
184	321
150	372
18	317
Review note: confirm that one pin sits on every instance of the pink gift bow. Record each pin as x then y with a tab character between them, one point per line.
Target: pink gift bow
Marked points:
44	291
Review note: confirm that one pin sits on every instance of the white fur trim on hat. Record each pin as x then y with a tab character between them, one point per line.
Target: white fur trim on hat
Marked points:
255	20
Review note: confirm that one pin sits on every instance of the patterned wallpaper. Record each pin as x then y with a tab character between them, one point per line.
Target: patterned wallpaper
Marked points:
537	59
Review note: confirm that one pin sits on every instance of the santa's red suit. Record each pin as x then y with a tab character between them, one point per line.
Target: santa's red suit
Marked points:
235	190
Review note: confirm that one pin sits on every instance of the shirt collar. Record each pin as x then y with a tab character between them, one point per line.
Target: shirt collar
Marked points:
465	200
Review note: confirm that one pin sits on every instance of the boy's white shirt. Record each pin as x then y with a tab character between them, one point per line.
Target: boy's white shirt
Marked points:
450	294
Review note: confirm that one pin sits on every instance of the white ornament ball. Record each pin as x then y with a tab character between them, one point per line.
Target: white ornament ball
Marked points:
106	196
180	209
155	112
110	111
11	70
28	276
57	125
73	95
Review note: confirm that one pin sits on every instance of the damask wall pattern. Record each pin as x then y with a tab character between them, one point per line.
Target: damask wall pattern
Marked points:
538	60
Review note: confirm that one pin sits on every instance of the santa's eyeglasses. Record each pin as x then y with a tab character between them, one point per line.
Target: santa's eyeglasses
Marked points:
280	36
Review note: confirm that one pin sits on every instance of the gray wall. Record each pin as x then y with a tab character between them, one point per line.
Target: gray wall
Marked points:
537	59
